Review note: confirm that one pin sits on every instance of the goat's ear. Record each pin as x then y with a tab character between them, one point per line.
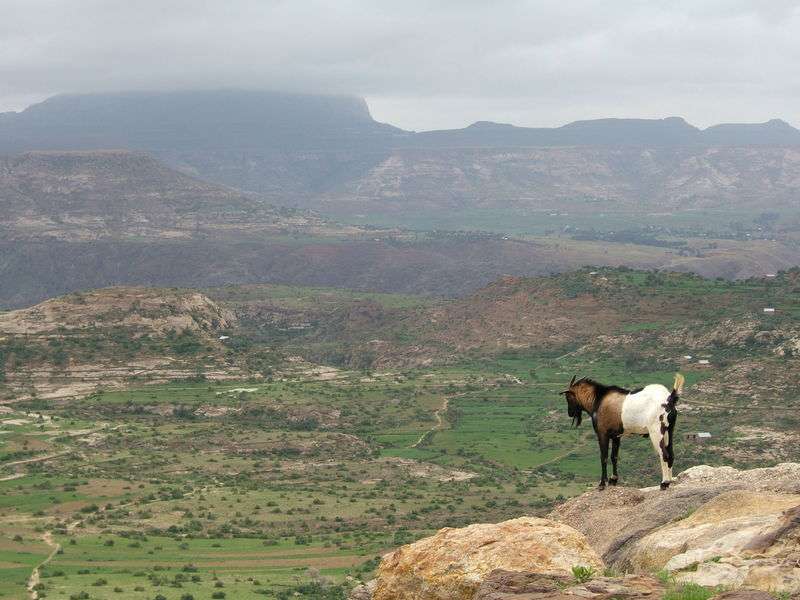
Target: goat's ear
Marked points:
564	393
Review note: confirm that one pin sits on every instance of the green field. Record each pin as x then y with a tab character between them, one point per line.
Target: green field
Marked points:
290	486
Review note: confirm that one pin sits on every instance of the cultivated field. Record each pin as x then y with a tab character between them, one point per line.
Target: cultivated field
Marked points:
292	478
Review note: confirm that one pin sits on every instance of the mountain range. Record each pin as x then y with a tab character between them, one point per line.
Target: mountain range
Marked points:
313	150
208	188
229	119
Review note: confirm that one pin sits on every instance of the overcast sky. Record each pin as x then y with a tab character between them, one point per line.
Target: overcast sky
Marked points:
424	65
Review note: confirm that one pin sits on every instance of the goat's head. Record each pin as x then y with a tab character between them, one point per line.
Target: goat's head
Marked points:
574	407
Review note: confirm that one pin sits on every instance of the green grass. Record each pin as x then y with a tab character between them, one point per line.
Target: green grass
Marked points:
690	591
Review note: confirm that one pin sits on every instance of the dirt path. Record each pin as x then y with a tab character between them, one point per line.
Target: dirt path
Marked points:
33	580
35	459
581	442
439	423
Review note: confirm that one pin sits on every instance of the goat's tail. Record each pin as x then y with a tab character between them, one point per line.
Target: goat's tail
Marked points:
677	388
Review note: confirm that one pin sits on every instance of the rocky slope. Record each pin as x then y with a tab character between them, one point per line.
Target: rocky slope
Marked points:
94	195
72	345
715	527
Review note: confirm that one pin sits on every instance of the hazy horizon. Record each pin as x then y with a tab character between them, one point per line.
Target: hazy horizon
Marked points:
424	65
376	114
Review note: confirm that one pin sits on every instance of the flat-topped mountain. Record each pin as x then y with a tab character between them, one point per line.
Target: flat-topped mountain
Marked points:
188	121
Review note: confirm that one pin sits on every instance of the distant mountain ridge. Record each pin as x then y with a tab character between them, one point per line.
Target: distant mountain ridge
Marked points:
671	131
251	120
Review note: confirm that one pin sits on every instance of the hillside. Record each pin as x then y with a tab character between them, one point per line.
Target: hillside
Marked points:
77	344
566	311
95	195
585	187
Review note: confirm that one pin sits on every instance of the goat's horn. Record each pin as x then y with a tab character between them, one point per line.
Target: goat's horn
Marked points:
573	380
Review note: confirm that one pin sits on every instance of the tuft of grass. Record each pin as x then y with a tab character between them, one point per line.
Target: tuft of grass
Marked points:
689	591
582	574
665	577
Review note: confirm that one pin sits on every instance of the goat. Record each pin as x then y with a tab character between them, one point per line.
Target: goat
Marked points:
615	411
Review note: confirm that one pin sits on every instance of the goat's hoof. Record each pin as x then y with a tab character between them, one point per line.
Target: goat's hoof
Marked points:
665	484
602	486
613	481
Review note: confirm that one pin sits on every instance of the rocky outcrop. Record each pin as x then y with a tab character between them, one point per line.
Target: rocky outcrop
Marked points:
716	526
454	563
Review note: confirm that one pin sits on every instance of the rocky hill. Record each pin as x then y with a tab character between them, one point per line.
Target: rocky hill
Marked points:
601	309
108	338
717	528
117	194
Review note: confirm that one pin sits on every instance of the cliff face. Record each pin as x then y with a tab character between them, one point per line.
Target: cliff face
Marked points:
577	179
716	527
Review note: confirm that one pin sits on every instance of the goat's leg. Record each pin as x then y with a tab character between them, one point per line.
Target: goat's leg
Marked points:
603	441
672	417
614	454
659	445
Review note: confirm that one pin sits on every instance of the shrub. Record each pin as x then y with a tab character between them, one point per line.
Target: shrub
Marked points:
582	574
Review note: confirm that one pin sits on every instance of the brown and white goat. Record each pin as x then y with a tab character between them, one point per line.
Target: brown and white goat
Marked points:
615	412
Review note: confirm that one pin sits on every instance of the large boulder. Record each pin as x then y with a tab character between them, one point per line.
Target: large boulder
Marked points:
716	526
453	563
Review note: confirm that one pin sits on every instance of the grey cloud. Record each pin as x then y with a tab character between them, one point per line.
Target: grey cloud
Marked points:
423	64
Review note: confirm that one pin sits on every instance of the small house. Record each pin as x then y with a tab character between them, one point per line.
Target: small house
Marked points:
698	436
769	310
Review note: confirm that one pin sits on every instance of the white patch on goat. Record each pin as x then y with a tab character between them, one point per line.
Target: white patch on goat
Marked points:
642	409
646	412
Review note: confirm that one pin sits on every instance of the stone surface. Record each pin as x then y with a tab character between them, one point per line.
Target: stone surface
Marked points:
744	594
453	563
364	591
715	526
505	585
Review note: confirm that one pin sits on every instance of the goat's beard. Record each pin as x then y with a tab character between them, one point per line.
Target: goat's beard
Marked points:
576	420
